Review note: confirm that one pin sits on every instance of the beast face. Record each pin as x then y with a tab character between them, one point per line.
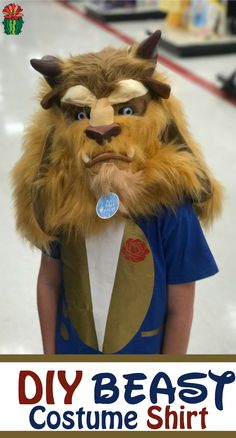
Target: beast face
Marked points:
108	123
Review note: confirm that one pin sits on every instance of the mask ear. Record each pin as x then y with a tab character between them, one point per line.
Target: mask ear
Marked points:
50	98
157	88
147	49
37	197
172	135
50	68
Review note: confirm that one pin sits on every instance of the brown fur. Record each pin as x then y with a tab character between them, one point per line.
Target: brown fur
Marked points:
167	167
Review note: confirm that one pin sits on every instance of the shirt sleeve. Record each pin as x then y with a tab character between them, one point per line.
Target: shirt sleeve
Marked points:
187	254
54	250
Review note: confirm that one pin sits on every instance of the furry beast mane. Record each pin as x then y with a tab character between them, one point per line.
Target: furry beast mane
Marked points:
55	193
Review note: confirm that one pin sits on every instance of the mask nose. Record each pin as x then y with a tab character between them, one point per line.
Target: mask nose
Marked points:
102	126
105	132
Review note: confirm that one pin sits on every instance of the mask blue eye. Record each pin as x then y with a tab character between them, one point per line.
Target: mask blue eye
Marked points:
126	111
81	115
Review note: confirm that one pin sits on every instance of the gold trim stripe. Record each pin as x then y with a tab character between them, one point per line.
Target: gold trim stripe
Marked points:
117	358
151	332
141	433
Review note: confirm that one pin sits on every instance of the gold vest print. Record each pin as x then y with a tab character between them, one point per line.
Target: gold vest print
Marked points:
130	296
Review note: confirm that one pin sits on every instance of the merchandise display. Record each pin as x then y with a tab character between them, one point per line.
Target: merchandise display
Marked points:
190	27
110	10
197	27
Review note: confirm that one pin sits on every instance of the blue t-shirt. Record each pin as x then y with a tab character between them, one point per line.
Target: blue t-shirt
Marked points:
175	246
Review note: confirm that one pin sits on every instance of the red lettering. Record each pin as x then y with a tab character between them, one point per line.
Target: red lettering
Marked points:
70	389
23	399
190	414
203	414
155	416
168	414
49	387
173	419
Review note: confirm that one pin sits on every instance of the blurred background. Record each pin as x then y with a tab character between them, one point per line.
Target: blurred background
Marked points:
198	53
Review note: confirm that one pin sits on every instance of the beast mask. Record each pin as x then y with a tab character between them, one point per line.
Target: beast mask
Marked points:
108	123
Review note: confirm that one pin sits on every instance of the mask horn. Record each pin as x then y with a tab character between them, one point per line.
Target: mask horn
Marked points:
49	67
147	49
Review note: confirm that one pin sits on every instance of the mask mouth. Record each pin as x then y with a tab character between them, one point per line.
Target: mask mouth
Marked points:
106	156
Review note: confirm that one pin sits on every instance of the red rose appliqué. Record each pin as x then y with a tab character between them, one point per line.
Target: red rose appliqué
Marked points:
135	250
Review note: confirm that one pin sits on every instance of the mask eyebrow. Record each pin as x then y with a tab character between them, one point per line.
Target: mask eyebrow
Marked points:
127	89
79	95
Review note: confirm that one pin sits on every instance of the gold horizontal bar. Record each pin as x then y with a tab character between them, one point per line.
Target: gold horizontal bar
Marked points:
151	332
180	358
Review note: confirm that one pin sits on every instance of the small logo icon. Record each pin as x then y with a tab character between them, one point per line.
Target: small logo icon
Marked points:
135	250
13	20
107	205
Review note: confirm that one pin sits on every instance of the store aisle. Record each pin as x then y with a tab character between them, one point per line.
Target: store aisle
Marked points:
50	28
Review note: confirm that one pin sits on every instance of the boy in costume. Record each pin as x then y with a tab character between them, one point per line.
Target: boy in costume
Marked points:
109	186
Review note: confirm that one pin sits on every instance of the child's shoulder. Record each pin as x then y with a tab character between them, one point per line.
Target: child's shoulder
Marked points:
182	215
187	254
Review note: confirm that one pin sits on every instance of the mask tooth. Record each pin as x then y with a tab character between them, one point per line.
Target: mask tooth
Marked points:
85	157
130	154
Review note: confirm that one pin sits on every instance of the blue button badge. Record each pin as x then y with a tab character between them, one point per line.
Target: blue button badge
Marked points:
107	205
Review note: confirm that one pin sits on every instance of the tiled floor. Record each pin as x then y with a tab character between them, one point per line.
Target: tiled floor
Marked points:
49	28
